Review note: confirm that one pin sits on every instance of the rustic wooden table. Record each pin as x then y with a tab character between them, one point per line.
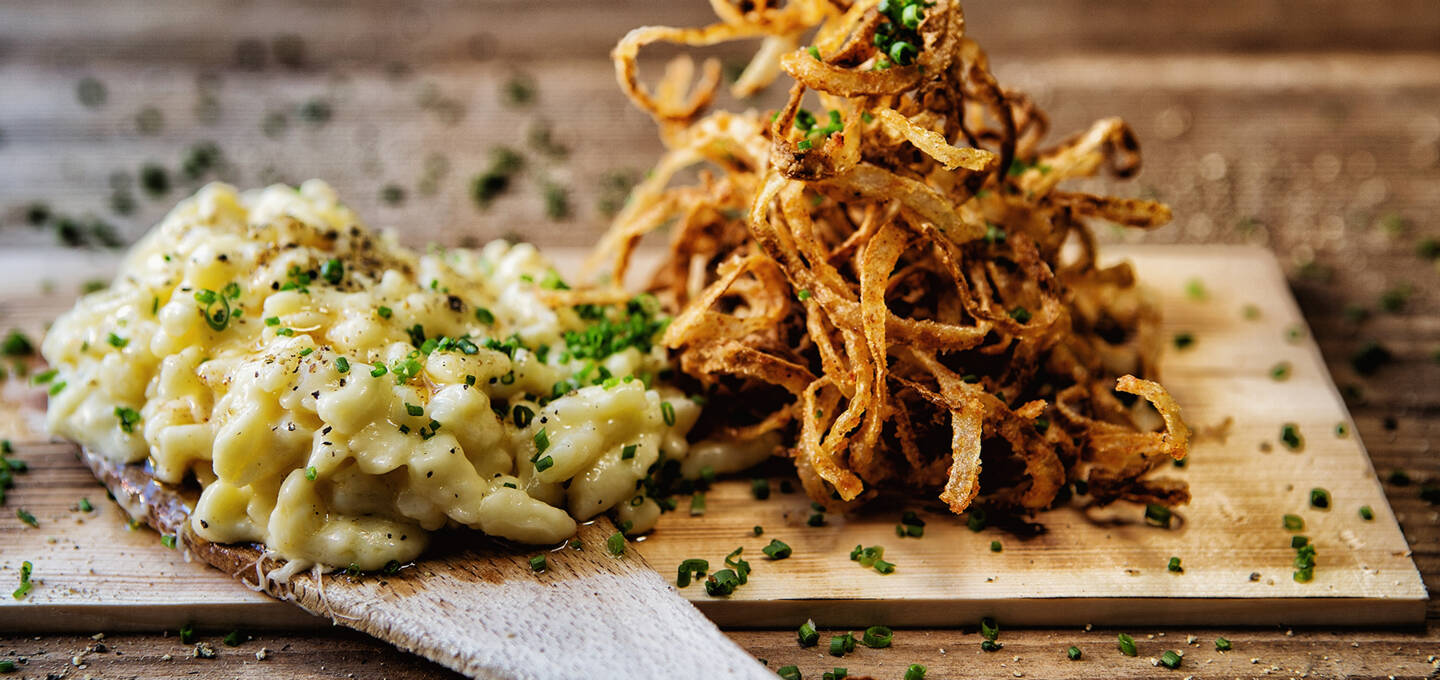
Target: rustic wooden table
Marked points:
1310	127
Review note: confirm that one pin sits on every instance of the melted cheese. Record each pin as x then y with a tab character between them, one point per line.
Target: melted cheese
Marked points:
358	466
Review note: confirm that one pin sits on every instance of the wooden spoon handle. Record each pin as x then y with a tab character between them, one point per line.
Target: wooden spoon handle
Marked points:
482	610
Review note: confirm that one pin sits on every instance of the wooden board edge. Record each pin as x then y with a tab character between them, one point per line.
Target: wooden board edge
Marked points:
95	618
1351	612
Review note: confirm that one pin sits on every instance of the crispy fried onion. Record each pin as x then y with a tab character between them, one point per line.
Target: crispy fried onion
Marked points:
887	284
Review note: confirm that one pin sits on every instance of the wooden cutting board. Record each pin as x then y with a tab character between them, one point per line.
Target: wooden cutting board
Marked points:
1101	567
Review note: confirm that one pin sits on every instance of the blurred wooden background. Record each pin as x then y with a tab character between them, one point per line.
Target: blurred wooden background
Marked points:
1312	127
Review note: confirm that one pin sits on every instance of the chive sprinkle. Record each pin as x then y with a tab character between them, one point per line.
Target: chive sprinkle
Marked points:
1157	515
995	546
628	451
777	550
989	629
1294	523
1319	498
1280	371
537	563
808	636
788	673
1222	645
384	312
616	543
1170	660
85	505
915	672
697	567
27	518
168	541
1290	436
1174	566
342	364
1074	653
544	464
1366	513
667	410
837	645
990	646
542	441
1126	644
877	637
697	504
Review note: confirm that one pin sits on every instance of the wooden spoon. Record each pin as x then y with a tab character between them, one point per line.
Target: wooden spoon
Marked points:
478	607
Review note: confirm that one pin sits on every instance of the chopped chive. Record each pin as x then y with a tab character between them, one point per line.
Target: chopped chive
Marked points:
484	316
168	541
542	441
1157	515
332	271
187	635
1290	436
758	530
915	672
1195	289
414	410
1319	498
814	52
1294	523
307	351
667	410
1126	644
537	563
1184	340
760	488
1020	315
816	520
628	451
991	646
1222	645
877	637
1170	660
378	371
27	518
989	629
804	294
808	636
1280	371
1366	513
522	415
384	312
884	567
544	464
616	543
1174	566
777	549
696	567
1074	653
788	673
837	645
311	473
233	639
85	505
697	504
1298	542
976	519
287	332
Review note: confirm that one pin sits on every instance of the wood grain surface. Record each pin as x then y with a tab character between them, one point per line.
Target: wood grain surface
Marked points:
1312	128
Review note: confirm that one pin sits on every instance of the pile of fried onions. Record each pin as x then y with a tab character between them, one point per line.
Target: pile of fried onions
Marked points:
889	293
